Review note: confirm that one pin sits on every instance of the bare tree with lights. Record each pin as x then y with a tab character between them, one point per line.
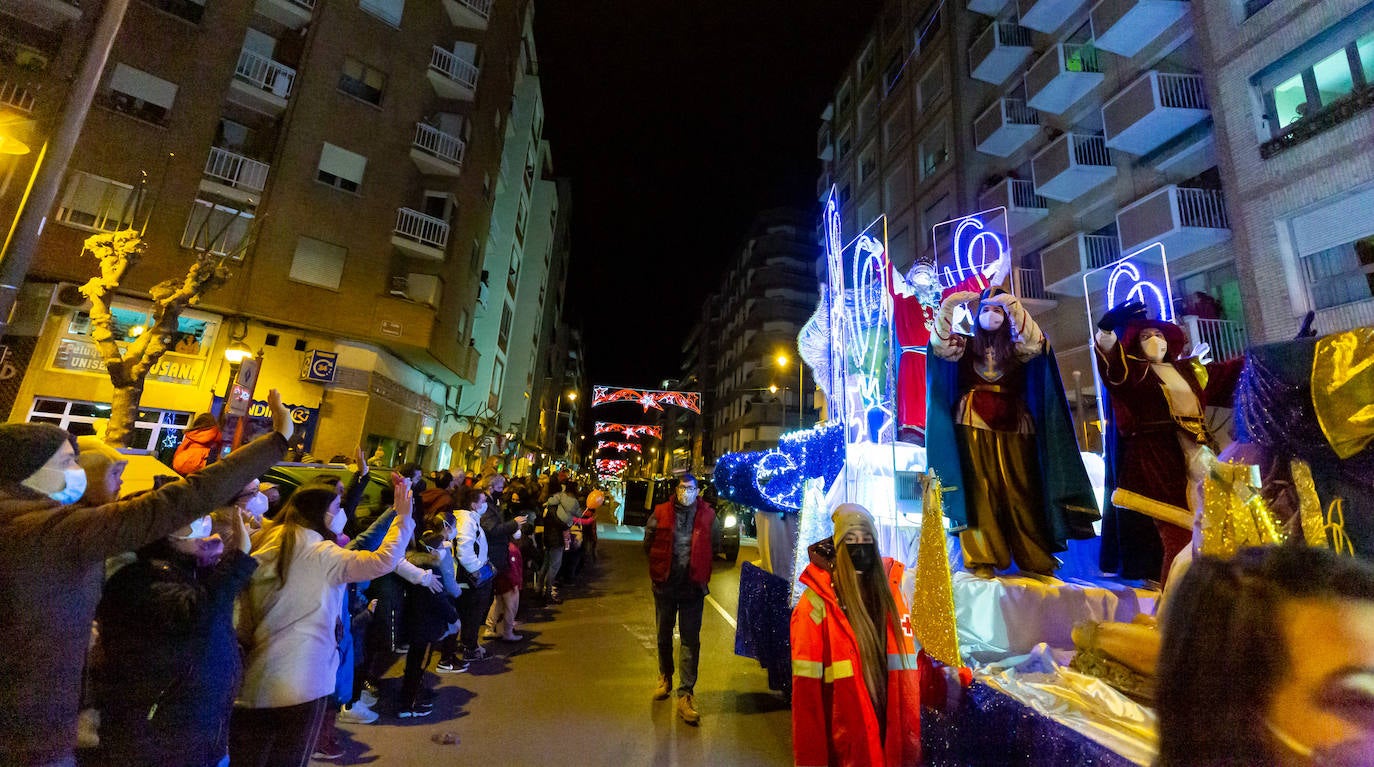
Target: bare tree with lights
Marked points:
129	367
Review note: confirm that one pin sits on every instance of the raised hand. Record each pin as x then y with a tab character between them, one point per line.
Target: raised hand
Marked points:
1119	315
401	486
281	416
362	460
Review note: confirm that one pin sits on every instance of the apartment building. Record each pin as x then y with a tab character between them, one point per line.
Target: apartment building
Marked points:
551	381
1090	123
343	158
694	433
1292	89
748	370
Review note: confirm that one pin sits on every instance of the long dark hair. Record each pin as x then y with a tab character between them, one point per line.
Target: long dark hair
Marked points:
868	602
307	510
999	340
1224	652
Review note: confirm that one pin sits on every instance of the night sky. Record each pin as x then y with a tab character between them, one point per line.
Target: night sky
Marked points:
677	120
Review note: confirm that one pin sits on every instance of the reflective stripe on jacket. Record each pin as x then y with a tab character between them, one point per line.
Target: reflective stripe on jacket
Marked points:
833	721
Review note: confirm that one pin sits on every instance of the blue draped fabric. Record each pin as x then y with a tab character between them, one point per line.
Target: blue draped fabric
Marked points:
763	632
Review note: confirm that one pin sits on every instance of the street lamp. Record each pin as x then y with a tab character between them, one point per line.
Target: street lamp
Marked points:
782	362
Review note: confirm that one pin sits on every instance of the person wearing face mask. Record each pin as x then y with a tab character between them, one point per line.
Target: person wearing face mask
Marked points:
1155	430
1000	436
52	555
857	681
171	664
291	620
1268	660
681	539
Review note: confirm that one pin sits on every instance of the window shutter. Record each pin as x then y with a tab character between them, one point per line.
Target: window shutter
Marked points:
1335	224
142	85
340	162
318	263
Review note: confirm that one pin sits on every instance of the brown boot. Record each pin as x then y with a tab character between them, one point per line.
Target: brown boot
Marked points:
665	687
687	708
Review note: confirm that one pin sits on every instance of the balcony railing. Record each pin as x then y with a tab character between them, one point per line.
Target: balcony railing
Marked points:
1005	127
1063	75
426	230
1100	250
263	72
480	7
998	51
1029	284
1089	150
462	72
438	143
1204	208
235	170
16	96
1152	110
1226	338
1181	91
1023	195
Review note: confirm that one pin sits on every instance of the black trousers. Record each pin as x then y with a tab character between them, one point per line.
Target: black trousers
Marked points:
684	611
414	673
275	737
473	605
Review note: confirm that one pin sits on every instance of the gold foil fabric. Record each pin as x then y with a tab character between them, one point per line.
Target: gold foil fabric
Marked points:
932	604
1309	505
1233	513
1343	389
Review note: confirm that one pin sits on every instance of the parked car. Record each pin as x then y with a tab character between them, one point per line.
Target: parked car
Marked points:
288	477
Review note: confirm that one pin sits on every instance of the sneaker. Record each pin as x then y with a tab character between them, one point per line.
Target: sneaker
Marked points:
475	654
687	708
368	697
414	712
665	687
358	713
451	666
325	752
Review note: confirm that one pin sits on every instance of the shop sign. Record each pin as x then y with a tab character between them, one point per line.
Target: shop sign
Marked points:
244	383
85	357
320	366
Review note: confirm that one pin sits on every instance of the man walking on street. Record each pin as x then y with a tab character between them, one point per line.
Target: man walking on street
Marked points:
681	539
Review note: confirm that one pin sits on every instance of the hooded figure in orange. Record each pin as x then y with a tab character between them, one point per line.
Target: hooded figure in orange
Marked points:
857	680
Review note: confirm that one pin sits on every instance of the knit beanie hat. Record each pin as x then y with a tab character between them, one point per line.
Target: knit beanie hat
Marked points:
852	516
25	447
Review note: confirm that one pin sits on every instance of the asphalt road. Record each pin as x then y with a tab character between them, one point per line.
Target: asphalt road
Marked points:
578	689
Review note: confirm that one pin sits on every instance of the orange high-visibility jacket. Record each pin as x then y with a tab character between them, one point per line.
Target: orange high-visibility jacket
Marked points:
833	720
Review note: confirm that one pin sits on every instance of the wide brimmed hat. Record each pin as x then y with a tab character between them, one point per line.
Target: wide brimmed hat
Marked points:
1173	335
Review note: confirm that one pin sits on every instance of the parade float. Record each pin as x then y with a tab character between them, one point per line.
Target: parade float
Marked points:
1058	629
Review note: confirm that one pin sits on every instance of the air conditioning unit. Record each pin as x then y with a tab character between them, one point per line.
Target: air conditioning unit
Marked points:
69	296
424	288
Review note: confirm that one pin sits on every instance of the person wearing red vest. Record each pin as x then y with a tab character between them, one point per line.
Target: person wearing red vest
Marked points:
857	680
681	539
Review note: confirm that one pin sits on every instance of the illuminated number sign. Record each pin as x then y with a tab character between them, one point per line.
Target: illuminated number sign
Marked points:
1141	276
970	245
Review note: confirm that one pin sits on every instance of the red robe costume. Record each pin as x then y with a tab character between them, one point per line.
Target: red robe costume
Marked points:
912	322
833	720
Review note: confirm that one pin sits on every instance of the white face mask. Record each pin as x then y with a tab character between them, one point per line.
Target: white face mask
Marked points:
686	495
336	522
65	486
991	319
1154	348
256	505
199	528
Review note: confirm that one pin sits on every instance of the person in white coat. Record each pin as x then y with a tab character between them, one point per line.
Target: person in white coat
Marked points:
474	569
290	619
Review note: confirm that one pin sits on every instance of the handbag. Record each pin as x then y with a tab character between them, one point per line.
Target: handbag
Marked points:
481	575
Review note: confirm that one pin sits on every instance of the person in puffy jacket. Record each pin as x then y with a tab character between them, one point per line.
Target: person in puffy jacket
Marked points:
200	445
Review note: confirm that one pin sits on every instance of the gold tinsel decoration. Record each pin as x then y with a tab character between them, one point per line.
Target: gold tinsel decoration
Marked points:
932	604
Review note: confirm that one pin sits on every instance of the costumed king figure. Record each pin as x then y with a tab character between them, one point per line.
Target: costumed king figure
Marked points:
1156	430
857	682
916	297
1000	435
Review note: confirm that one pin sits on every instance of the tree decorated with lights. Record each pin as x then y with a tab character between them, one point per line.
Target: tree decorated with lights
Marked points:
129	364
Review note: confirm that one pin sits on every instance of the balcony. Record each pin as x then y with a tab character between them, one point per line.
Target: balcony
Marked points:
436	153
1046	15
1071	166
1024	206
234	176
991	8
467	363
261	84
16	97
419	235
452	77
48	14
1152	110
1182	219
1063	263
1062	76
1125	27
1028	285
292	14
1225	338
1005	127
825	144
998	52
469	14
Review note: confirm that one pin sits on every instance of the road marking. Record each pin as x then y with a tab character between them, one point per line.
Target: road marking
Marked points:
730	619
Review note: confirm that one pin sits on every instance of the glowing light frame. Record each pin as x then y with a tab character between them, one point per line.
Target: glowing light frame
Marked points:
647	398
980	228
630	431
624	447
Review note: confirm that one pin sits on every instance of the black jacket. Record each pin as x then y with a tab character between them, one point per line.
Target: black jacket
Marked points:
499	532
170	664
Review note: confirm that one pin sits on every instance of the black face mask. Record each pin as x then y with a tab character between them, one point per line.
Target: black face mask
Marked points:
418	487
863	555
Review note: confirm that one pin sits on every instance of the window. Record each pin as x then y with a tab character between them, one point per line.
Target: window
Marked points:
139	94
892	74
217	228
317	263
868	163
932	86
341	168
1301	90
897	189
1342	274
934	152
867	61
498	373
513	277
475	259
387	10
843	101
361	81
503	335
191	10
843	146
156	430
522	219
894	130
92	202
936	213
868	114
928	29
